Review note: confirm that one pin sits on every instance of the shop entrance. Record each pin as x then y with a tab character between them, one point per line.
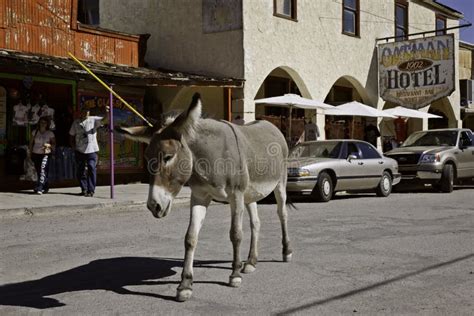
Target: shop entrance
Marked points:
26	100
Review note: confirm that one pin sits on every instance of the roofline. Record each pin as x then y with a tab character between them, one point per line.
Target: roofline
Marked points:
466	45
446	9
442	8
60	67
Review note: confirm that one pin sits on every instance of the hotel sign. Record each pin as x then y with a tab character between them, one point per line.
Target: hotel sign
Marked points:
417	72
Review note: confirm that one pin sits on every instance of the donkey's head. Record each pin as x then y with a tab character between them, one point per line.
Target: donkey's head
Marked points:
169	159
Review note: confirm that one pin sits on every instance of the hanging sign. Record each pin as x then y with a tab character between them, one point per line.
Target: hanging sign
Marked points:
417	72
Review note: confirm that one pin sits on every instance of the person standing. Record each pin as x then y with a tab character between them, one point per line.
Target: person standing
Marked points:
41	146
311	131
83	139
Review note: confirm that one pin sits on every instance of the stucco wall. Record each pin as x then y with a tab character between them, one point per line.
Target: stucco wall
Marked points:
180	38
314	50
466	65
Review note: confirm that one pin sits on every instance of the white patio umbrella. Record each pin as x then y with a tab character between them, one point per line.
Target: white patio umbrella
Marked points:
400	111
355	108
293	100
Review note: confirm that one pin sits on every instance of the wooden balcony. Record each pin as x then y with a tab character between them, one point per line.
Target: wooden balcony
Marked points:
51	28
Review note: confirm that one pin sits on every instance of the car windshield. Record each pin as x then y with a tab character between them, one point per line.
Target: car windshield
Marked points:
431	138
316	150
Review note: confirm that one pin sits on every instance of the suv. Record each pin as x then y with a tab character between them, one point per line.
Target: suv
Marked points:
439	156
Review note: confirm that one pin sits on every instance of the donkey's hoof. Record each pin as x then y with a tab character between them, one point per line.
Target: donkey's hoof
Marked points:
183	295
235	281
248	268
287	258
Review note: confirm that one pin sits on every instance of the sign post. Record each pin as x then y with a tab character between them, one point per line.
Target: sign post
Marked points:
111	138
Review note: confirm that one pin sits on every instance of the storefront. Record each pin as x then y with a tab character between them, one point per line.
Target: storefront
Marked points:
61	90
25	97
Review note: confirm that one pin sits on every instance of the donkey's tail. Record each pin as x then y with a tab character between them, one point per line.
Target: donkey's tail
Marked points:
289	203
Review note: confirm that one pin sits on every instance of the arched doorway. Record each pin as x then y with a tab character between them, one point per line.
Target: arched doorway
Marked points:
347	89
280	81
443	108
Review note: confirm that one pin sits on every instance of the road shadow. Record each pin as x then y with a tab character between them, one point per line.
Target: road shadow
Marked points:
113	274
305	307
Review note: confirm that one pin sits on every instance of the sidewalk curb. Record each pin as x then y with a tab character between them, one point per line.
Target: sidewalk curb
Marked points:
63	209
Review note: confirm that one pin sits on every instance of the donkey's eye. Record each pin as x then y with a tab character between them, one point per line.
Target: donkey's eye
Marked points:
167	158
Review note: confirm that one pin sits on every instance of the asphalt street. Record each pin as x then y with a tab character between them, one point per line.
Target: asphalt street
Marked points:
410	253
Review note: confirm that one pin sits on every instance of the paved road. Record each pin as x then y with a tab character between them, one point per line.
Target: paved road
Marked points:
405	254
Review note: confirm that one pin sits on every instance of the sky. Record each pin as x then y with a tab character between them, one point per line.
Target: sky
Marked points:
467	8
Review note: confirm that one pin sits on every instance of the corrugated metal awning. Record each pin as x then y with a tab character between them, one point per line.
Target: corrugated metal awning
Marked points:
35	64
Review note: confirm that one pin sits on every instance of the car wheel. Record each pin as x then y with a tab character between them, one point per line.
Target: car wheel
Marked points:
323	190
385	185
446	183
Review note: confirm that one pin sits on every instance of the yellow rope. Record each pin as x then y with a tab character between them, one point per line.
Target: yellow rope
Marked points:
108	88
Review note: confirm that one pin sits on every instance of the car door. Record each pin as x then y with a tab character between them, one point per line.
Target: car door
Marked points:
372	166
465	155
348	170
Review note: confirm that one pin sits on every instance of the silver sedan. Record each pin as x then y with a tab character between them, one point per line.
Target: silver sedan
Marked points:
322	168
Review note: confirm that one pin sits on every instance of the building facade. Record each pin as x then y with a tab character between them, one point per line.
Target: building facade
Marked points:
466	83
325	50
37	78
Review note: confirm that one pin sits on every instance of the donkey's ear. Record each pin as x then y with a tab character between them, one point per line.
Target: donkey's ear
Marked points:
141	134
187	122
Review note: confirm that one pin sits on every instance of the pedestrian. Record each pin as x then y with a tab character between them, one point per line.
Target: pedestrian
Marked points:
311	131
83	139
42	144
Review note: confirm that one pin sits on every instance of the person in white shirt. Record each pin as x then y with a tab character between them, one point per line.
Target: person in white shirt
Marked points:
41	146
83	139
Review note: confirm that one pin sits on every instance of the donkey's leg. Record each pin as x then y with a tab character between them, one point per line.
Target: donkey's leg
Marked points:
198	213
255	230
237	210
280	195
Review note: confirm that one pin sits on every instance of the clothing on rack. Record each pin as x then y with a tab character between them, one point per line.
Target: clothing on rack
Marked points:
20	116
46	111
34	114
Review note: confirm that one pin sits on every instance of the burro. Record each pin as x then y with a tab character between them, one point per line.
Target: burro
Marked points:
220	161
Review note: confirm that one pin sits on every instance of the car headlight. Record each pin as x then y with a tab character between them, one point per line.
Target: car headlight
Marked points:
430	158
303	172
298	172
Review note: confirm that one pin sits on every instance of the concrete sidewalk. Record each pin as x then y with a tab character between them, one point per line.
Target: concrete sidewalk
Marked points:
68	199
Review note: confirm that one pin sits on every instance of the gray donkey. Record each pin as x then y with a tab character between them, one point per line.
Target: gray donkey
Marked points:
220	161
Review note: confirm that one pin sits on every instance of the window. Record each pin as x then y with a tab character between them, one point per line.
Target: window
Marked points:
352	150
88	12
440	25
285	9
401	20
350	17
465	139
368	152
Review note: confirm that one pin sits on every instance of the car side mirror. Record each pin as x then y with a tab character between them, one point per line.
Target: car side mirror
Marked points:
351	157
463	144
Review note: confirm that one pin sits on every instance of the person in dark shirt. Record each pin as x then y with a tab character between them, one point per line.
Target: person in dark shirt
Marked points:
371	134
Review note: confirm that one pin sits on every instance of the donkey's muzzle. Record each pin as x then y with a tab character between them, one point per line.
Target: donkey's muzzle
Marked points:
157	210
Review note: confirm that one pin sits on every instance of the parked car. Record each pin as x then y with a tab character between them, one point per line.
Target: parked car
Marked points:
322	168
440	157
